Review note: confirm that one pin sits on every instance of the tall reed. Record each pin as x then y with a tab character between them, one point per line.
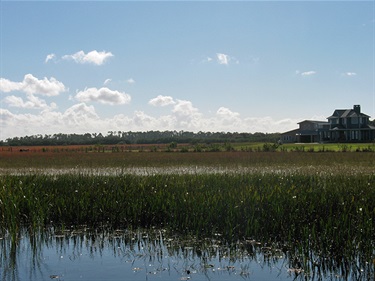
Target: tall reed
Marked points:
331	215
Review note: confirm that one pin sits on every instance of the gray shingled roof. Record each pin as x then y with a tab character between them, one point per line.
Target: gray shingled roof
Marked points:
313	121
343	113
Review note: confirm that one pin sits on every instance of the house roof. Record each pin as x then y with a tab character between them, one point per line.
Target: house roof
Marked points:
344	113
313	121
290	132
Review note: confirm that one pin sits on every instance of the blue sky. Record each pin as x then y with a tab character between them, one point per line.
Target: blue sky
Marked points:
246	66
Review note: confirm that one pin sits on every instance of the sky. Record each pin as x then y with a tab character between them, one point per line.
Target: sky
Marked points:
218	66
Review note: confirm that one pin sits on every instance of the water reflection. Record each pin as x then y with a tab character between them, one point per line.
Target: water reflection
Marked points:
101	254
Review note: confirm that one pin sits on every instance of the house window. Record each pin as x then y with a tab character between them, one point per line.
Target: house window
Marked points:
354	135
354	120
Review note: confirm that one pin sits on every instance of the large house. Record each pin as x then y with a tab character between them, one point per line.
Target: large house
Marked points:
344	125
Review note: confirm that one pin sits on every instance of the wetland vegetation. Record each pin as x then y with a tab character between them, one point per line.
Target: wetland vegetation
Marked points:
316	210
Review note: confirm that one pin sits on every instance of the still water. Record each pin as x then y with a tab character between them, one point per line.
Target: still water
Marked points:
82	254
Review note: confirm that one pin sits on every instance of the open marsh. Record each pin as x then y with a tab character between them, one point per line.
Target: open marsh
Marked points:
71	161
154	254
317	208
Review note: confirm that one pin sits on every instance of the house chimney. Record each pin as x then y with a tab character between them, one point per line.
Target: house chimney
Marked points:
357	108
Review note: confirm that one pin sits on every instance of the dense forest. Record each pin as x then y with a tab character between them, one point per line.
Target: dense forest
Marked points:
150	137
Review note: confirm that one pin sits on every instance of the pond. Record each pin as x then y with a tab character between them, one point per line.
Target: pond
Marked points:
84	254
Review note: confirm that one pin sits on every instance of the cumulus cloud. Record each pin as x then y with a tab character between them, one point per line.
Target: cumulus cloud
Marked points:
14	101
82	118
32	102
7	86
161	101
140	119
50	57
93	57
225	117
103	95
80	114
32	85
184	108
222	58
226	112
79	118
5	115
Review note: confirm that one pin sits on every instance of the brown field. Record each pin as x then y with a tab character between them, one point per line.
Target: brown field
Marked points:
146	156
82	148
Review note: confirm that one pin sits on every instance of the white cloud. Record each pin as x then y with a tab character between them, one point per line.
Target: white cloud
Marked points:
130	81
32	85
207	59
93	57
226	112
188	117
6	115
7	86
308	73
140	119
226	118
80	114
50	57
107	81
222	58
81	118
161	101
14	101
350	74
31	103
184	108
103	95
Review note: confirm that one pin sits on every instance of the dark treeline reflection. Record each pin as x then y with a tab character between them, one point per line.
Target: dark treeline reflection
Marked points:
153	252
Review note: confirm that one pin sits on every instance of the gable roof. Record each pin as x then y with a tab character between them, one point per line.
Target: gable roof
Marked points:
345	113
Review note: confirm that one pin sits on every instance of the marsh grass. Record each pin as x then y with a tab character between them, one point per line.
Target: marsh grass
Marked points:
73	159
318	207
321	216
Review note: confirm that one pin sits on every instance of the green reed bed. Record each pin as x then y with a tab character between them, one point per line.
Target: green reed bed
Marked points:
330	214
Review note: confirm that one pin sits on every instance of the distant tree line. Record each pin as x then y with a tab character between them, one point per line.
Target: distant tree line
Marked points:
149	137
